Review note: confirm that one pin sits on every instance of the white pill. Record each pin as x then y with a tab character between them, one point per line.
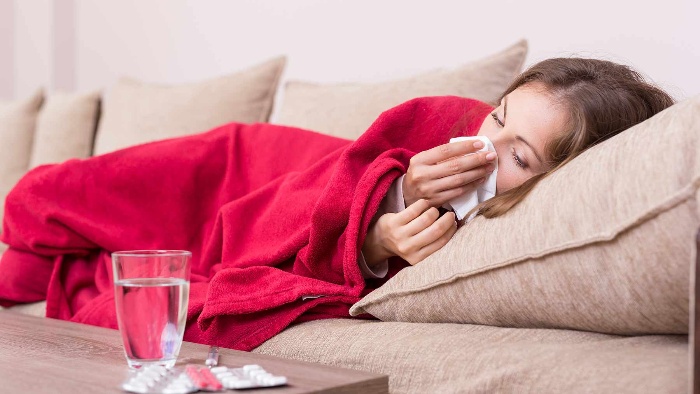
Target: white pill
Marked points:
230	379
135	388
251	367
275	381
159	369
278	380
147	381
176	390
224	374
258	372
240	384
152	375
261	379
216	370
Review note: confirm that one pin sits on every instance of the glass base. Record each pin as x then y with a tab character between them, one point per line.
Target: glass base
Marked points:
138	364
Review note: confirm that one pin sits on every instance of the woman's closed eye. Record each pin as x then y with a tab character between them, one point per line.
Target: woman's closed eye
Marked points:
518	161
498	121
516	158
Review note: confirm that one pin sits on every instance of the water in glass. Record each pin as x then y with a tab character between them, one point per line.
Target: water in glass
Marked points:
152	313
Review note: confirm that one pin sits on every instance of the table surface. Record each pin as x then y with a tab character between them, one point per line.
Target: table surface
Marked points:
40	355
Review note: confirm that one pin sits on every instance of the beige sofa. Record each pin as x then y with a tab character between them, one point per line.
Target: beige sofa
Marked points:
584	287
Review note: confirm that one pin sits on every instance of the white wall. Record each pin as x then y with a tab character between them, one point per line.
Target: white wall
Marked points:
7	49
32	56
173	41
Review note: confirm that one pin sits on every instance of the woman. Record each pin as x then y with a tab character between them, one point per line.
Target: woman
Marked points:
276	217
551	113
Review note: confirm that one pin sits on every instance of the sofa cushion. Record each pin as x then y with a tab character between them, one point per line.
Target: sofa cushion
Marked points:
347	110
17	124
603	244
461	358
65	127
137	112
37	309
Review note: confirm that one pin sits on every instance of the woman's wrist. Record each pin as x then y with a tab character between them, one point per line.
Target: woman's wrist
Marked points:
373	249
405	191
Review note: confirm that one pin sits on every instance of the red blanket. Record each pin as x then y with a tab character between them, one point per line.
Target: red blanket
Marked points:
272	215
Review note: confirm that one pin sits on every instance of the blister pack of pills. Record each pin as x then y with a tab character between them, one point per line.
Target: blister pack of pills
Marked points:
191	378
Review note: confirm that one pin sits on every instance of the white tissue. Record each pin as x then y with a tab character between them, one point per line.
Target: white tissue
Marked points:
464	203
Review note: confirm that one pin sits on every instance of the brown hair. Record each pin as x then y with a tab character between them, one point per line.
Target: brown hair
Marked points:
603	98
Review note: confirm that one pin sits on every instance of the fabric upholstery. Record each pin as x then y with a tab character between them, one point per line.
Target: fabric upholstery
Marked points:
461	358
137	112
17	125
65	127
37	309
347	110
604	244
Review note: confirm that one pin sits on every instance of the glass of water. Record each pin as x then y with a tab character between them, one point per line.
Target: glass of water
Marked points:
151	288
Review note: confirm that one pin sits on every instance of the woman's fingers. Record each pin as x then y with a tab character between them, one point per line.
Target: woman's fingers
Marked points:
421	222
411	212
460	164
418	218
444	196
459	180
433	237
432	247
418	231
453	166
438	191
446	151
444	168
435	230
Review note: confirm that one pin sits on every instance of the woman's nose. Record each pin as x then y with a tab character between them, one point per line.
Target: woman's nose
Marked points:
501	149
499	138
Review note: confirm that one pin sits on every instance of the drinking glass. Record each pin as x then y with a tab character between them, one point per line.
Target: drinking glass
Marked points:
152	289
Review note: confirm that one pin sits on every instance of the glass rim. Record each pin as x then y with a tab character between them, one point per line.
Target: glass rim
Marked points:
152	253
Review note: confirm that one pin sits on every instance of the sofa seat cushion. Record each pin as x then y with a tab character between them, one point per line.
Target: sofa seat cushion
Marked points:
37	309
449	358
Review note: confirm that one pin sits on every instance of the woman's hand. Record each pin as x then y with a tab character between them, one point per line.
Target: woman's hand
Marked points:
442	173
412	234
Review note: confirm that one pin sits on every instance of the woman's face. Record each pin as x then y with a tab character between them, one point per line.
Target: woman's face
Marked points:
519	128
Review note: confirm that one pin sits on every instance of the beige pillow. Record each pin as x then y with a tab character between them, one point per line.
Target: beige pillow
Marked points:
137	112
17	123
347	110
65	128
604	244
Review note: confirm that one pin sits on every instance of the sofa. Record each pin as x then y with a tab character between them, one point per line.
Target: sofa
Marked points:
585	286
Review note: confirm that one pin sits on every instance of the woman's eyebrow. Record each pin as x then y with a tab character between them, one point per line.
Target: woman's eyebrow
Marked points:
518	137
524	141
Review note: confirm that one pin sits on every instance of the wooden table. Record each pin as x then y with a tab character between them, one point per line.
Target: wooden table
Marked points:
39	355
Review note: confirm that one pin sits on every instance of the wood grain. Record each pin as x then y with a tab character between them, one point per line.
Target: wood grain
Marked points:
39	355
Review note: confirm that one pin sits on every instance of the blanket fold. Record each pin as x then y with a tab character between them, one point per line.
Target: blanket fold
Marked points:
272	215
